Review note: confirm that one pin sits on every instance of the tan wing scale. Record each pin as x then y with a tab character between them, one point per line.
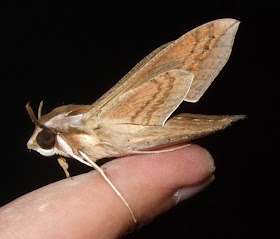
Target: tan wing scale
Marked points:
152	102
203	52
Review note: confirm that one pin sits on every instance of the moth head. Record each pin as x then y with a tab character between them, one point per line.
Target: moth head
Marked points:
43	139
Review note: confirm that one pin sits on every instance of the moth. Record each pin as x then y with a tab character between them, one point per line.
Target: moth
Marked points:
133	117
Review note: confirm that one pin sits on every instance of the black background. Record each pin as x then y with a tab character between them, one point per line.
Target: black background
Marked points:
66	53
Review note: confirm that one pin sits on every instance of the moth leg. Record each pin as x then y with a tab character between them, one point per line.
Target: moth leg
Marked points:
62	162
163	150
98	169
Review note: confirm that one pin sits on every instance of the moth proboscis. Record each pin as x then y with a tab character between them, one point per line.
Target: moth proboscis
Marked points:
134	116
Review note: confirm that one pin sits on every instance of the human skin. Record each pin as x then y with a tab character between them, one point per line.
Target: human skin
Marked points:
86	207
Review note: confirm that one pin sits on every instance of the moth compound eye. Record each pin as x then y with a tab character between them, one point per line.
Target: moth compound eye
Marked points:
46	139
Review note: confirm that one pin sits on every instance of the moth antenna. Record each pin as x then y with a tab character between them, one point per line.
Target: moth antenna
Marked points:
32	116
40	109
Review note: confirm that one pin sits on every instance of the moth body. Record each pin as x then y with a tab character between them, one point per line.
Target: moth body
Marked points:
135	114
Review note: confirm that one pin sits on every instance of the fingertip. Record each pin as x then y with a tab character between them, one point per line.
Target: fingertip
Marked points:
188	165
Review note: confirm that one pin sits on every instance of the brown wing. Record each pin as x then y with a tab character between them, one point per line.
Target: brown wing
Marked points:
125	83
203	52
152	102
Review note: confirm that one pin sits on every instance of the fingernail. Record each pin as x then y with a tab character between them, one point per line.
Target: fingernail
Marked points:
187	192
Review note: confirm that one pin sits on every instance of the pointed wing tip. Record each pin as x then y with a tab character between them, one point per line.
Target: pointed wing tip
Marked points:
229	119
234	23
237	117
229	23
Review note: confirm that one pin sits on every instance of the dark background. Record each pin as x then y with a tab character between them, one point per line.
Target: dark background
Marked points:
72	53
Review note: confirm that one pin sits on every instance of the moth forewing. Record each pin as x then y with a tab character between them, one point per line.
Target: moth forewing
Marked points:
202	52
133	116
